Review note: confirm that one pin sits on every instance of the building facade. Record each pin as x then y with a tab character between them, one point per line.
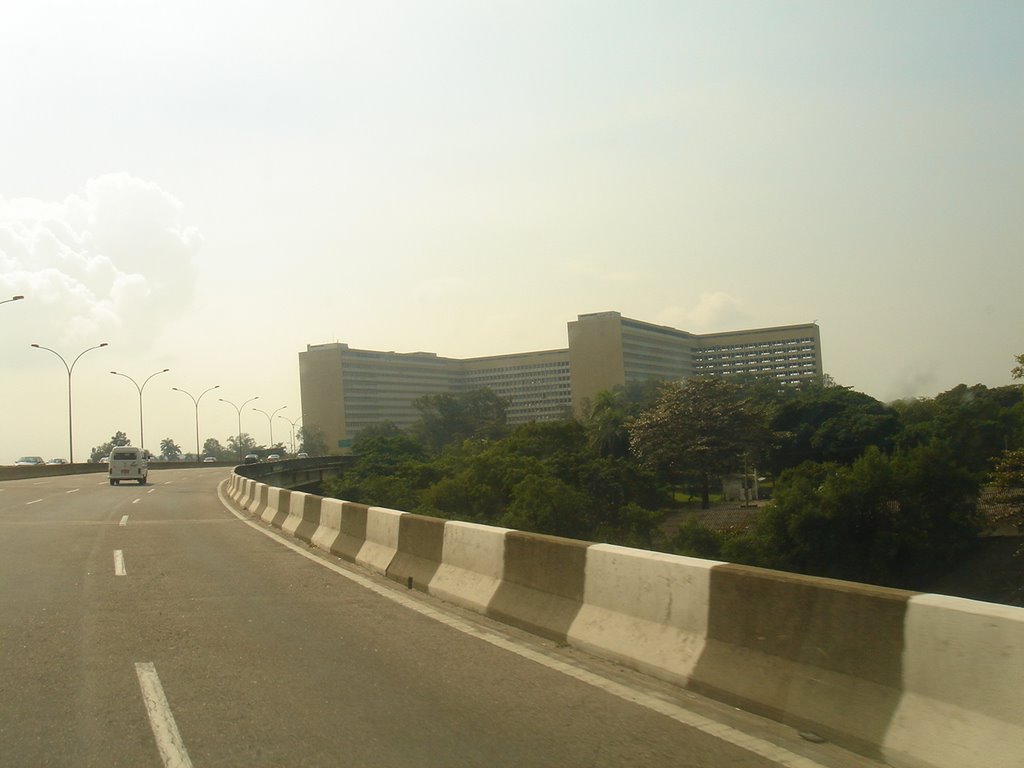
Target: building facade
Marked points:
344	390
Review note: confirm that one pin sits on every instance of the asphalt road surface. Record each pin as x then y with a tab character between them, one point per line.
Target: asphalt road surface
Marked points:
154	626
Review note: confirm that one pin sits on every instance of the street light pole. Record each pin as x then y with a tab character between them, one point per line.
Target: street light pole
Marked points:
293	422
195	401
270	421
142	434
13	298
69	368
238	409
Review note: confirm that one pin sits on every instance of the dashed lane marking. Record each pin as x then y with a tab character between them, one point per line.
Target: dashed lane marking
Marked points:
168	739
119	563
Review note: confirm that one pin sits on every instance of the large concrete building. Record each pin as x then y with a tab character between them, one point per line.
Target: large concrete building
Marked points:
344	389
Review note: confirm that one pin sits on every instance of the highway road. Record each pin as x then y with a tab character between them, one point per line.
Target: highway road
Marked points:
155	625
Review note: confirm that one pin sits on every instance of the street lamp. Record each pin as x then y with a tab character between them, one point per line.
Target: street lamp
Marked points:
142	435
196	400
69	368
270	421
238	409
13	298
293	422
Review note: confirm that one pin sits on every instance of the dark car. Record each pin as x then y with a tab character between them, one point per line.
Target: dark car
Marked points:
251	458
30	461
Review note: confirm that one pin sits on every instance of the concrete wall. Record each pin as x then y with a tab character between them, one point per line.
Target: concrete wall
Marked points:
922	681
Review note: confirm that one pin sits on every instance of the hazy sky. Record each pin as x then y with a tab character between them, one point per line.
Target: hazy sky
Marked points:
211	186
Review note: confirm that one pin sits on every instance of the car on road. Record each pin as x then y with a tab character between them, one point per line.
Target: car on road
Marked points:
252	458
302	455
274	457
30	461
57	461
128	463
208	459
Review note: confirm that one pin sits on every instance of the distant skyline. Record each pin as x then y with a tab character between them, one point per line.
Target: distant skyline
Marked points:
211	187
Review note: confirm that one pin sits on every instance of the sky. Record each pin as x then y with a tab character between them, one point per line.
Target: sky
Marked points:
210	186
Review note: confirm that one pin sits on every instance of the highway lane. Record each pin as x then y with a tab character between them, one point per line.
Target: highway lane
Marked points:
269	658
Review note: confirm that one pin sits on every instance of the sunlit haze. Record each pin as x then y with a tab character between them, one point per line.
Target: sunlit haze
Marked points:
209	187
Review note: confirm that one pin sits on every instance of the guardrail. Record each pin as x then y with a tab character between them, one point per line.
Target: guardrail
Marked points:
914	679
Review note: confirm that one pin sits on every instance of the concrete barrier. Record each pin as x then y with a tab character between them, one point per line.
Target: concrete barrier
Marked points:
381	544
472	565
921	681
962	700
646	610
418	551
819	654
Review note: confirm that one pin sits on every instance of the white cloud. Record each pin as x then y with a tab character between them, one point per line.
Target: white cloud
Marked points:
718	311
714	312
112	262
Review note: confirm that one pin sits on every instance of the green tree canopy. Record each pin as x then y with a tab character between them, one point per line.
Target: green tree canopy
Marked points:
611	411
447	418
240	445
311	441
824	424
889	520
977	422
119	438
1007	501
702	426
212	447
169	450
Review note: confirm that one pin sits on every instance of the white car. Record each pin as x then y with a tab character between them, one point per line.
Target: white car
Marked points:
30	461
127	463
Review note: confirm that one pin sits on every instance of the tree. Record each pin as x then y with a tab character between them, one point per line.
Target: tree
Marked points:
612	410
447	418
212	447
977	422
825	424
311	441
119	438
169	451
241	444
1007	500
889	520
703	426
387	470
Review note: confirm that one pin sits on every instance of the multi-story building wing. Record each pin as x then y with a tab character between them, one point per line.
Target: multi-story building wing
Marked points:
344	390
535	384
791	354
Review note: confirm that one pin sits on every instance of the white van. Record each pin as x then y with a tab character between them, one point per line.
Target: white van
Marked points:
127	463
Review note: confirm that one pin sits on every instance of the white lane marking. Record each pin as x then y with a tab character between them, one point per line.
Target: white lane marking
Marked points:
29	503
135	501
151	490
761	747
124	521
119	563
168	482
165	730
73	490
